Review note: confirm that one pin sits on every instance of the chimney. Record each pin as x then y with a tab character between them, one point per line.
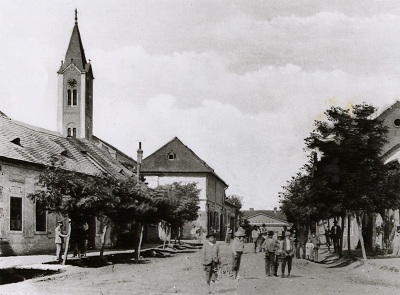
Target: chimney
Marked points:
251	209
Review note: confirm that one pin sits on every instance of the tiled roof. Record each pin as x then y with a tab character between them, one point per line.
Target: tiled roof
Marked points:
123	158
22	142
186	161
270	213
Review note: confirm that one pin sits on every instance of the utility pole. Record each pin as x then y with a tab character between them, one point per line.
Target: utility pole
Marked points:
139	161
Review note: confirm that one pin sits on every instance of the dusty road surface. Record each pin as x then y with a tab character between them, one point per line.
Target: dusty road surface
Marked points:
183	274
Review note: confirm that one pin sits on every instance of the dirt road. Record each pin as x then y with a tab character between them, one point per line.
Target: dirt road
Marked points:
183	274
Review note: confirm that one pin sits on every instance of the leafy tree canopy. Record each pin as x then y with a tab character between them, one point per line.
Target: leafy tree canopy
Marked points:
177	203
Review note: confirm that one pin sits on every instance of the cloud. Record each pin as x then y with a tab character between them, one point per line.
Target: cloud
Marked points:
239	82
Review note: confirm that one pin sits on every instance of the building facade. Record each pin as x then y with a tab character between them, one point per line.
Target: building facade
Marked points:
274	220
26	150
175	162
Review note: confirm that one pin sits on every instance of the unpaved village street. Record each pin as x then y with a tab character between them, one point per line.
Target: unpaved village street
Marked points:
182	274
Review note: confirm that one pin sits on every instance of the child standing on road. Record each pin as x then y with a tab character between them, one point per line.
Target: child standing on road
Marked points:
309	249
237	251
211	259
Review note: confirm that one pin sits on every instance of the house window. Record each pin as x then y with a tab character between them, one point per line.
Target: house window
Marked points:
69	97
40	217
74	97
216	220
171	156
15	213
73	132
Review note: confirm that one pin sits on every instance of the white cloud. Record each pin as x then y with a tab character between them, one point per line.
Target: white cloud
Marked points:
239	82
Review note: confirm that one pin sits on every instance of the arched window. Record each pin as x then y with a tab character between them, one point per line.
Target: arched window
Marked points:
74	132
69	133
74	97
69	97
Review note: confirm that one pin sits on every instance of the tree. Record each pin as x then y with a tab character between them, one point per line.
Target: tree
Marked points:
133	204
350	142
79	197
235	200
301	199
177	203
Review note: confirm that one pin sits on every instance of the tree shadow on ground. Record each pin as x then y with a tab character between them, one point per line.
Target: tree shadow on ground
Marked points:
129	258
96	261
226	290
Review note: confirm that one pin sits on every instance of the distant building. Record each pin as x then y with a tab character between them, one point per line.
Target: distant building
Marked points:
25	150
273	219
175	162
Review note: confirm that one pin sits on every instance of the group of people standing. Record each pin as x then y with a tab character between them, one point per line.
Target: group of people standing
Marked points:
79	238
279	250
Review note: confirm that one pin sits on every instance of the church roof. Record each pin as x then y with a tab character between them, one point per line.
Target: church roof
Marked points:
25	143
185	161
75	53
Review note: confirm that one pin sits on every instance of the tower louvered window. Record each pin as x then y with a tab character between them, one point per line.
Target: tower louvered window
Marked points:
74	97
74	132
69	97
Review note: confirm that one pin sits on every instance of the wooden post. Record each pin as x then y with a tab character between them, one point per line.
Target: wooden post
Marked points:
140	241
103	241
348	234
67	242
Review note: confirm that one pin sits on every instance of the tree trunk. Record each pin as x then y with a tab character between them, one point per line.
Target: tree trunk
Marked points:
67	242
138	228
140	240
360	232
341	236
348	234
103	241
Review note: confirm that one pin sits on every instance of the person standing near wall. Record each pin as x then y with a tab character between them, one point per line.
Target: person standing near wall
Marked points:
336	233
84	239
317	243
59	239
255	235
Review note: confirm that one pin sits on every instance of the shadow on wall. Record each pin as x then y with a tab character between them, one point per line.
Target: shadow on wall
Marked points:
6	249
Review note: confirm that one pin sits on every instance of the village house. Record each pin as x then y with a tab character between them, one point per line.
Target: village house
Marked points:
26	150
274	220
175	162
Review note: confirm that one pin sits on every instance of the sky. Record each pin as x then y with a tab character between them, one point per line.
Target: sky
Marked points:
238	82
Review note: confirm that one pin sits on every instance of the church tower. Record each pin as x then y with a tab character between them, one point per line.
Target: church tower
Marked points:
75	90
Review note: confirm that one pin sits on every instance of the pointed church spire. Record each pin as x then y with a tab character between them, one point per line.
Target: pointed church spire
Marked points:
75	53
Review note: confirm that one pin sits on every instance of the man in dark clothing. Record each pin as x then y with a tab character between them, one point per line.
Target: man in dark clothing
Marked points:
336	234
